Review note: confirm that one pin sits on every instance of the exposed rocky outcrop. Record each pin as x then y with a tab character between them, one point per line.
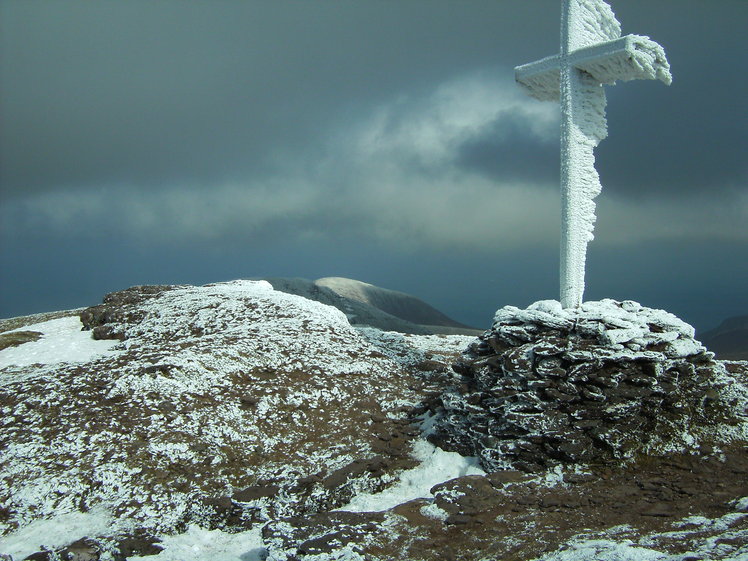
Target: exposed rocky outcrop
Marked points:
119	310
607	382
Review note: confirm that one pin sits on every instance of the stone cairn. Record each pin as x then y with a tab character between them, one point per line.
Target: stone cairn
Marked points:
605	382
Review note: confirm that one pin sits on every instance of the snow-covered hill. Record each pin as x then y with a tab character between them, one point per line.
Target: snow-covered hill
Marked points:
393	302
368	305
193	396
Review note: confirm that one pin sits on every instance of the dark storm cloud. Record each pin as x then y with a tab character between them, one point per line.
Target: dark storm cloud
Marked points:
675	155
689	137
152	93
507	149
217	121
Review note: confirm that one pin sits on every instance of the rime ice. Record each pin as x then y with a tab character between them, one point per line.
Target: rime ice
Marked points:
593	53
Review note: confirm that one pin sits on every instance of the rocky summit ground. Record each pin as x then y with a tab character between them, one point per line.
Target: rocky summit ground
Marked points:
236	422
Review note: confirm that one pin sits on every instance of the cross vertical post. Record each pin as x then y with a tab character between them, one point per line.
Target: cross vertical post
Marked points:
592	53
572	271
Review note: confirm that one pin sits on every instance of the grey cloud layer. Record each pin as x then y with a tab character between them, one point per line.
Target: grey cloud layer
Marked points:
416	173
161	92
390	175
500	149
381	119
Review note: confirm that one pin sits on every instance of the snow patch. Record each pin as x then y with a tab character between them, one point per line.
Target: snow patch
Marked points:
56	532
437	466
198	543
62	341
741	504
603	550
432	510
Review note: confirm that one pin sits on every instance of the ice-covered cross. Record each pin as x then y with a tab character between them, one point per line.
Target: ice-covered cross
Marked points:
593	53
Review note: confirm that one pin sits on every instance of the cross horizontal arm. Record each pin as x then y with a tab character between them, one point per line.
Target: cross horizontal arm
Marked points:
628	58
541	79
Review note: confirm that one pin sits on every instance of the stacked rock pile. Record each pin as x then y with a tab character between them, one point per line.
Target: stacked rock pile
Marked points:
608	381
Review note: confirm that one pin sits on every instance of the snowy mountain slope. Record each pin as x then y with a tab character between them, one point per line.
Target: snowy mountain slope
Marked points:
384	309
358	313
398	304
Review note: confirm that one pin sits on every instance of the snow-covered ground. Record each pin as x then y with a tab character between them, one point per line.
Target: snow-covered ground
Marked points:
616	544
436	466
190	342
62	341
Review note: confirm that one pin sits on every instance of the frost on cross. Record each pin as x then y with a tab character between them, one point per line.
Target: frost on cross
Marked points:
593	53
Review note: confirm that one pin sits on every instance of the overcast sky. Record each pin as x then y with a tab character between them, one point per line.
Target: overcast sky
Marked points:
190	142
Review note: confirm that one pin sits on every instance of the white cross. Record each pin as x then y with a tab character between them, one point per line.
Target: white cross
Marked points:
593	53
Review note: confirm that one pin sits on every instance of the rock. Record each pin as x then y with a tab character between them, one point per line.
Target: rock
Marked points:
39	556
661	510
81	550
255	492
464	496
139	543
504	477
459	519
602	383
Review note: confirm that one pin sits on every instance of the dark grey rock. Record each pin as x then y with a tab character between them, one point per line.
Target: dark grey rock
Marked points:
549	391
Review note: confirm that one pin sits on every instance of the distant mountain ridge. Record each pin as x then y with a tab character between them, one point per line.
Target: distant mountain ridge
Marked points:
729	340
367	304
398	304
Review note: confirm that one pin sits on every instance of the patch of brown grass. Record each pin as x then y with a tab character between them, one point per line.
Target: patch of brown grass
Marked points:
16	338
